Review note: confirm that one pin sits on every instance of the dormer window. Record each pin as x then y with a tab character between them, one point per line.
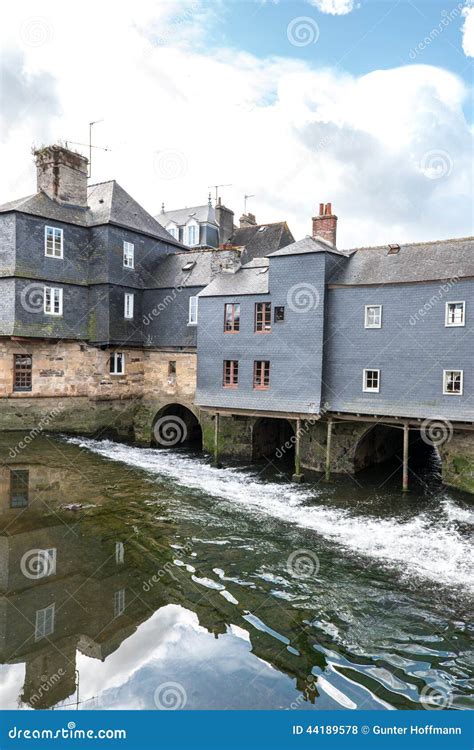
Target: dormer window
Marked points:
192	234
173	230
53	242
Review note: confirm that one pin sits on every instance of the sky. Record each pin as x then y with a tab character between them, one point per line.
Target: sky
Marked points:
363	103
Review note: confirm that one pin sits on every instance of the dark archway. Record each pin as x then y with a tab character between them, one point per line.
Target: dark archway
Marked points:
273	439
383	443
176	426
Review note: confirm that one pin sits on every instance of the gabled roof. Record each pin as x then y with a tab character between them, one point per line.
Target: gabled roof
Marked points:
250	279
181	216
307	245
108	203
262	239
417	261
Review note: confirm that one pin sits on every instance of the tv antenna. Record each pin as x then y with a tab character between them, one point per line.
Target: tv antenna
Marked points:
216	188
89	145
245	201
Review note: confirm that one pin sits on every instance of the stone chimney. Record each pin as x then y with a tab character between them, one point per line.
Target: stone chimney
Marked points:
225	260
225	220
62	175
248	220
325	225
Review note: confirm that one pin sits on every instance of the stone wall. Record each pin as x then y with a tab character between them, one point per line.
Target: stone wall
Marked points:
457	455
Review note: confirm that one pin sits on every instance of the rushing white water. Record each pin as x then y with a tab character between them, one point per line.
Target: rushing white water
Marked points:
425	546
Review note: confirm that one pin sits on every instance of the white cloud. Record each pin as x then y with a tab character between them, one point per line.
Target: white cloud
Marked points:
468	30
179	116
334	7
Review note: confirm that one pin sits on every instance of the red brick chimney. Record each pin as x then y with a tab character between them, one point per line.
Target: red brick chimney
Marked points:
325	225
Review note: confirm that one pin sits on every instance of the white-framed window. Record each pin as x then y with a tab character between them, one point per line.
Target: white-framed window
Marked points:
53	300
44	625
193	311
192	234
128	304
373	316
119	553
43	564
455	314
173	230
53	242
119	602
453	382
128	255
371	381
117	363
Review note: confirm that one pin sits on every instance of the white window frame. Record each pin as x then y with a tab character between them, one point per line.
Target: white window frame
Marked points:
45	620
173	229
129	255
128	305
193	311
54	292
53	254
195	227
119	553
119	602
115	357
453	393
446	318
366	317
365	387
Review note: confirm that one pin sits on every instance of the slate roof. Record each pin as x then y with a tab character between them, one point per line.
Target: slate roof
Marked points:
307	245
180	216
170	271
250	279
108	203
262	239
418	261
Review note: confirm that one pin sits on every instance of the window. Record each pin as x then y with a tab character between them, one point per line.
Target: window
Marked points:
53	300
119	553
117	363
192	234
231	318
44	622
261	374
19	488
128	305
453	382
53	242
173	230
279	316
371	383
373	316
455	314
189	265
193	311
128	255
22	372
263	317
231	373
119	602
172	371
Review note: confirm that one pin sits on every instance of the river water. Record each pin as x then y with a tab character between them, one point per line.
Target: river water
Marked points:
140	578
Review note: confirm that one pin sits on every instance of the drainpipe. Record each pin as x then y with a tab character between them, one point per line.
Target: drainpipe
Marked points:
298	476
406	430
328	451
216	439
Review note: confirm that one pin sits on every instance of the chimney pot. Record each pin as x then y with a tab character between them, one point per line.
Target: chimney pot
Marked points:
325	225
321	209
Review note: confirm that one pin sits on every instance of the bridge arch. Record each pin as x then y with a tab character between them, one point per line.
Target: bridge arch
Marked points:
273	438
381	442
176	425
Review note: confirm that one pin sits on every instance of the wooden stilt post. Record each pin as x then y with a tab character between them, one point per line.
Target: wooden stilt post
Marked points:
216	439
406	431
328	450
298	476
